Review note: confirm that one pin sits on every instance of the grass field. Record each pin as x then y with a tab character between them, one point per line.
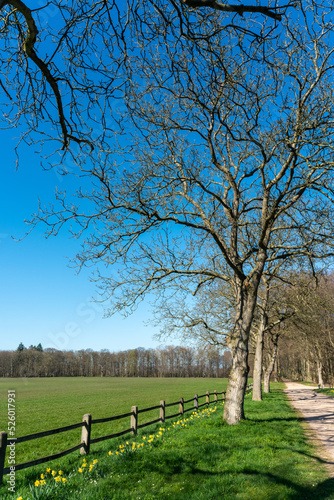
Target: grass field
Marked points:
48	403
265	457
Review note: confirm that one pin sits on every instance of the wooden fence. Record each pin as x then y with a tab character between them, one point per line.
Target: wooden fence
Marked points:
86	427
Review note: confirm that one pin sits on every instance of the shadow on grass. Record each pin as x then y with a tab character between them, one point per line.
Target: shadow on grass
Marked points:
321	491
324	490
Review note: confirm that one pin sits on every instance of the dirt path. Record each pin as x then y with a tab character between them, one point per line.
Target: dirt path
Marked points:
318	412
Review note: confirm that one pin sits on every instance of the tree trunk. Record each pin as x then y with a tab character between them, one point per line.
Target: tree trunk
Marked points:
269	370
276	370
319	370
238	344
237	382
258	362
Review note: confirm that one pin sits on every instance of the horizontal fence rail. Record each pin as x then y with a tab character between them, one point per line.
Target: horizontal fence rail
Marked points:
86	426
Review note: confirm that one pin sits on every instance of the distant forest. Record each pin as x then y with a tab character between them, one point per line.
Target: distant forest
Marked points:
168	361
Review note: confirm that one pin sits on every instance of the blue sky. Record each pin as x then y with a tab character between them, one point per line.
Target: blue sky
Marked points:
42	299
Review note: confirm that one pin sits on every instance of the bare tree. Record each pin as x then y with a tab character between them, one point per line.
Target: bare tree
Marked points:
310	332
271	352
229	143
271	311
67	64
204	319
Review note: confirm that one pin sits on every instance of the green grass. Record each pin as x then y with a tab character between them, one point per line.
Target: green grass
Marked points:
48	403
265	457
327	392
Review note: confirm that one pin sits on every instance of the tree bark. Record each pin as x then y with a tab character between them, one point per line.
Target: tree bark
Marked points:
258	365
269	370
319	370
238	344
237	382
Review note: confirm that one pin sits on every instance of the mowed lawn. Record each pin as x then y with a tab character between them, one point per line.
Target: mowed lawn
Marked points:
48	403
199	457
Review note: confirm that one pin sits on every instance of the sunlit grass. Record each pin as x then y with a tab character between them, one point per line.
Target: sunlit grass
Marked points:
195	457
48	403
327	392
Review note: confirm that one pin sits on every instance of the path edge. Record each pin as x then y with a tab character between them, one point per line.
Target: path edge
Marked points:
311	435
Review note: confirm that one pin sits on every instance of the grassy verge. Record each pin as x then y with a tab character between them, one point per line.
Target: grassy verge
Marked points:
328	392
199	457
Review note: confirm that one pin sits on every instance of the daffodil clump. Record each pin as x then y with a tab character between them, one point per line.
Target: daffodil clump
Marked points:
85	467
50	476
147	441
45	485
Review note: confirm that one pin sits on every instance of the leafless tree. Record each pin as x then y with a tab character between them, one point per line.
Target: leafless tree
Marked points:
310	333
228	145
204	319
272	310
66	64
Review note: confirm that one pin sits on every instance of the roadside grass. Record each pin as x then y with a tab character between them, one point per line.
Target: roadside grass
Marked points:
327	392
47	403
266	456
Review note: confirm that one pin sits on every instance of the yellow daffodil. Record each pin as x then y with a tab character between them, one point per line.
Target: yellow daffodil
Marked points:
110	453
58	478
53	472
42	476
80	470
60	473
36	483
64	480
95	461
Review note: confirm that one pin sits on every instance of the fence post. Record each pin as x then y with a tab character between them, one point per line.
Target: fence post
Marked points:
3	444
215	396
162	411
85	434
224	395
207	397
134	419
196	402
181	406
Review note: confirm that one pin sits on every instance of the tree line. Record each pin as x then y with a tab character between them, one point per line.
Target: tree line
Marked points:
167	361
306	344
